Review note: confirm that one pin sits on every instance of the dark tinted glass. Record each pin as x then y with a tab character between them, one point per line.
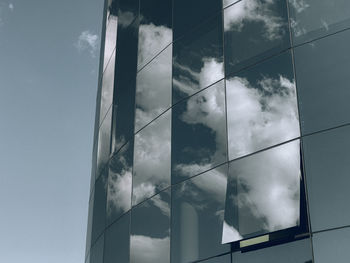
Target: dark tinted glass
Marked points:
315	18
128	12
99	211
117	241
198	58
190	13
197	214
89	224
107	88
125	84
199	133
104	143
254	30
322	70
262	108
96	255
110	39
155	31
112	7
119	183
263	193
152	158
221	259
332	246
327	166
293	252
153	90
150	230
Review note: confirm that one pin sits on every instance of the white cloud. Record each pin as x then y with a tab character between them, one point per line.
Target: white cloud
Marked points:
259	11
11	6
152	158
87	41
146	249
260	116
299	5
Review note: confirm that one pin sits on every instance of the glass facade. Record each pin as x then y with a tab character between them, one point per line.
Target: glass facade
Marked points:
222	133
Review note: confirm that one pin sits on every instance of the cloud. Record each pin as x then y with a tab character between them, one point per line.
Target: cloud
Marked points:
259	11
260	116
111	39
146	249
87	41
152	158
299	5
11	6
268	186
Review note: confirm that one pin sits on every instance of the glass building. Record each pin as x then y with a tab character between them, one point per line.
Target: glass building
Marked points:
222	133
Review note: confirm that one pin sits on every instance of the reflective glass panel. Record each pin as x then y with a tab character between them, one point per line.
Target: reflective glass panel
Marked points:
99	211
263	193
119	183
97	251
332	246
262	108
104	143
190	13
315	18
198	59
327	167
294	252
155	31
110	39
153	89
150	230
89	224
107	88
229	2
117	242
112	7
152	158
221	259
197	216
254	30
128	12
322	69
199	133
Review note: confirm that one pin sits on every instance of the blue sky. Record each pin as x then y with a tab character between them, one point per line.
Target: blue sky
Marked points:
48	80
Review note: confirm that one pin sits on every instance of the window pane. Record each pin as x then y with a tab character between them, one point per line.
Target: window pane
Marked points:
197	213
152	159
110	39
155	31
104	143
89	224
117	241
293	252
263	193
262	107
190	13
97	251
128	12
315	18
332	246
119	183
99	211
107	88
150	230
199	133
153	90
254	30
198	59
327	166
324	98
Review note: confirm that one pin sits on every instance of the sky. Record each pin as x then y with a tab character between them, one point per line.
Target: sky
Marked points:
49	53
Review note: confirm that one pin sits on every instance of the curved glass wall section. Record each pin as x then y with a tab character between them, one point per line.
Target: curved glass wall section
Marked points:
221	132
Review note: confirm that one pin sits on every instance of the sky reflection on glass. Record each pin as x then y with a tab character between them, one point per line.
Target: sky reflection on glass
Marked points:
152	158
119	183
263	193
197	216
153	89
104	142
262	107
199	133
150	230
